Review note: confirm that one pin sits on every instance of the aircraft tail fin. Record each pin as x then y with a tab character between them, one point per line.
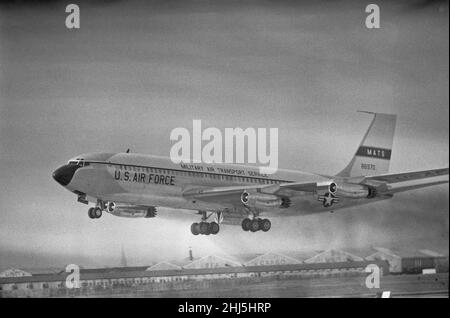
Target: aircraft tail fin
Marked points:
374	152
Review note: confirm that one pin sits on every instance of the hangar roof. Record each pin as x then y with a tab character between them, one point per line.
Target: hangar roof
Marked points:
407	253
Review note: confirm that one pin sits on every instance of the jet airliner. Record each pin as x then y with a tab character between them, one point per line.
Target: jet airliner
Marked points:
136	185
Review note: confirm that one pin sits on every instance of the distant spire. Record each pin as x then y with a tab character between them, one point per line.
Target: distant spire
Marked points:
191	256
123	260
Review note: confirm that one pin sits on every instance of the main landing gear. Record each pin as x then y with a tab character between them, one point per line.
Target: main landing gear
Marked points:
256	224
205	228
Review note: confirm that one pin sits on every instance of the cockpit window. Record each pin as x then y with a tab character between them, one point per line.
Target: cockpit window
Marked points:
79	163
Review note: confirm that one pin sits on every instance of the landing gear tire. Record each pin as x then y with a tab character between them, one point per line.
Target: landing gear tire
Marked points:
195	228
214	228
97	213
254	225
246	224
265	225
91	213
204	228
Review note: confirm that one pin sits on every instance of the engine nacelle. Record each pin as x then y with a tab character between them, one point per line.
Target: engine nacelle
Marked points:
354	191
131	211
263	200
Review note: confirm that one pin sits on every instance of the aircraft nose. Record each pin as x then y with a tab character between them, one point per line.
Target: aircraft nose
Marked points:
64	174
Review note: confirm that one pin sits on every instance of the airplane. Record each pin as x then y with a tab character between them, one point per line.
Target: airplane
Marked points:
136	185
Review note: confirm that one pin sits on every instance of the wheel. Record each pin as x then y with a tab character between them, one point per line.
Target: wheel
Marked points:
246	224
214	228
110	207
91	213
254	225
204	228
265	225
97	213
195	228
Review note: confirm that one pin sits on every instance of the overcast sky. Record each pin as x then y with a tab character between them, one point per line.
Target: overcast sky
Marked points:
136	69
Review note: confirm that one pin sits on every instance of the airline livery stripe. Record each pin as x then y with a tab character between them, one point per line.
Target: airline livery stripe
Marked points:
373	152
187	171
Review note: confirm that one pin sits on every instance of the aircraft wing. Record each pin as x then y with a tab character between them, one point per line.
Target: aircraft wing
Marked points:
385	184
399	182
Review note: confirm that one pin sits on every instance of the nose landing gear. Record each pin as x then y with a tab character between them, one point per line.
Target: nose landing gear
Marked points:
95	213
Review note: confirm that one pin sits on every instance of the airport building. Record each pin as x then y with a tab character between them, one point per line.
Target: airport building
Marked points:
214	271
410	261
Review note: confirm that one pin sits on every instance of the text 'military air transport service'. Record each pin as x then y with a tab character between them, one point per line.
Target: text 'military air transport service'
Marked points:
135	185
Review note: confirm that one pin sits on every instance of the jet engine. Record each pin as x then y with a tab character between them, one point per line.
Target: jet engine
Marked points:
262	200
353	191
131	211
